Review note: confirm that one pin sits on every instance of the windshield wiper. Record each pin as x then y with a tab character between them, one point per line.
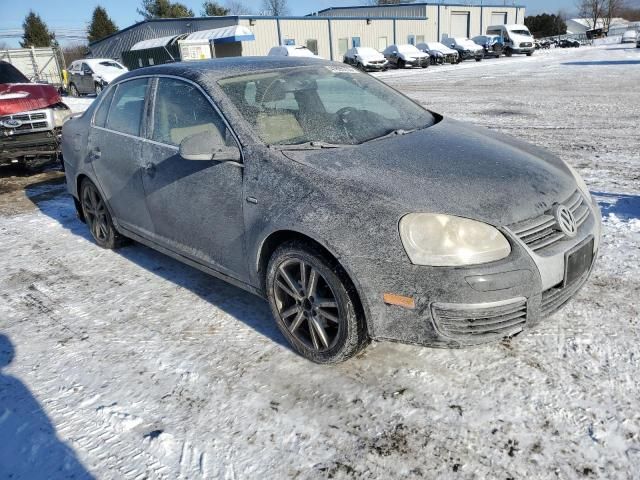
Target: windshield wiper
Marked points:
393	133
313	145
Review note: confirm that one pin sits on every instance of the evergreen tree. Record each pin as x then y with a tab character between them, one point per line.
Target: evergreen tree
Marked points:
36	33
101	25
163	9
213	9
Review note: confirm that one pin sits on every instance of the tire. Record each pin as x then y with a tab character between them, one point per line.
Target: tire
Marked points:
73	91
401	63
478	59
508	52
98	89
331	333
529	54
98	218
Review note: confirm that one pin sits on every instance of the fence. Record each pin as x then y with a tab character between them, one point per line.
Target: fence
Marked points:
37	64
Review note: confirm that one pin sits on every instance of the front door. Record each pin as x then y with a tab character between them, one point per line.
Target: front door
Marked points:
195	205
115	146
86	79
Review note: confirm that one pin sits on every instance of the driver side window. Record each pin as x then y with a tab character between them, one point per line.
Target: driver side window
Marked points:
181	110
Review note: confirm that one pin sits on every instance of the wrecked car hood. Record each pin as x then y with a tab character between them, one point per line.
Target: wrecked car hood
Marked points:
451	168
22	97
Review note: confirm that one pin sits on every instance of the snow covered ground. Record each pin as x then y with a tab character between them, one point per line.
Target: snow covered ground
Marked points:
130	365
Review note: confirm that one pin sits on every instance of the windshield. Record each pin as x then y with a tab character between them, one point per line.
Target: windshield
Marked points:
111	64
521	32
328	104
10	74
408	49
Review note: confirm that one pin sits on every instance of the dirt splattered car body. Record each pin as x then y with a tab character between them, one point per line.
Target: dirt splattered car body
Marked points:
368	206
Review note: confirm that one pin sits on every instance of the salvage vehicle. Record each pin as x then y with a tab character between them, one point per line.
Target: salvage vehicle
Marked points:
439	53
366	58
569	43
407	55
31	117
356	212
467	49
91	75
492	45
516	38
630	36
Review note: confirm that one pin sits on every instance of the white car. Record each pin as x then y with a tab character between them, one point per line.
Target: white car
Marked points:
291	51
439	53
630	36
91	75
366	58
406	56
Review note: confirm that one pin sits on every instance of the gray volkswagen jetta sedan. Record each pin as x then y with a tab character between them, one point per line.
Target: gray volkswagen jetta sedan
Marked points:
357	213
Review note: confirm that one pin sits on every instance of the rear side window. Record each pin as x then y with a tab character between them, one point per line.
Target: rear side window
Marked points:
125	114
101	114
180	111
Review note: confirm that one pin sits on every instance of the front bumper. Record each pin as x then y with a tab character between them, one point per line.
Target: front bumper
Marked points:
376	67
32	150
419	62
460	306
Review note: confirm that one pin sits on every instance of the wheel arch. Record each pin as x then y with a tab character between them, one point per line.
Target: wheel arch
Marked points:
279	237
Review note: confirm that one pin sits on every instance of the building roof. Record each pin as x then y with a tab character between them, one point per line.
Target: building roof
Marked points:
417	4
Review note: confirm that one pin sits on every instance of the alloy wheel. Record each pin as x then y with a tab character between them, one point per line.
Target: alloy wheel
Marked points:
95	212
307	305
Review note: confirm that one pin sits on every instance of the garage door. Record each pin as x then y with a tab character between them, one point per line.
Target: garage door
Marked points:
459	24
498	18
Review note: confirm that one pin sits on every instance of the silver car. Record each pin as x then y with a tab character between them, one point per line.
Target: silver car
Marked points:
355	212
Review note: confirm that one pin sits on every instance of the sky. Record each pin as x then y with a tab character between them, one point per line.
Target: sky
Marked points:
70	17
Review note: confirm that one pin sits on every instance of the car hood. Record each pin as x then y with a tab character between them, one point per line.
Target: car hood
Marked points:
451	168
518	39
412	55
22	97
371	57
108	74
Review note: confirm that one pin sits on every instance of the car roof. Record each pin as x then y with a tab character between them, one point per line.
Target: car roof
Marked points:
218	68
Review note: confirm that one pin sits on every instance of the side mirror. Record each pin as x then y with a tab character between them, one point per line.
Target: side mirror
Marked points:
208	146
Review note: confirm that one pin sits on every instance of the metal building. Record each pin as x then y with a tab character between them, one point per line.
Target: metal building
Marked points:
443	19
328	33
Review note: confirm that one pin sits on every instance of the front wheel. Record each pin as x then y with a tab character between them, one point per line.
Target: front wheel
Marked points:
401	63
73	91
98	218
478	59
529	54
314	304
508	52
98	89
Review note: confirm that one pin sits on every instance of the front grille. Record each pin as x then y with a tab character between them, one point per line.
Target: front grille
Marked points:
526	45
543	232
480	322
555	297
30	121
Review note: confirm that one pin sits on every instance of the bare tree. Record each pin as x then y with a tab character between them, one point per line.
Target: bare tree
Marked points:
276	8
612	9
591	11
236	7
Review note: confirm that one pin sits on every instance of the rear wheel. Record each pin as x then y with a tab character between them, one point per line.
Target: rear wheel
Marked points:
98	218
314	304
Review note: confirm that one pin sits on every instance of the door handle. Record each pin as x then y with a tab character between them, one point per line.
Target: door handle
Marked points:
95	154
150	169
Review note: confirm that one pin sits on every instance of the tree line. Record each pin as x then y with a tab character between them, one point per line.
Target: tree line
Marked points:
37	33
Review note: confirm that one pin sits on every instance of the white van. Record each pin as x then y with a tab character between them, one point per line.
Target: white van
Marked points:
516	38
630	36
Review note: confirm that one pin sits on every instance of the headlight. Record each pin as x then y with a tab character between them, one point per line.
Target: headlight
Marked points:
448	241
581	183
60	116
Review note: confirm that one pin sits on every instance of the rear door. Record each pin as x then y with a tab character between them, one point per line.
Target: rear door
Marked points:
115	146
195	205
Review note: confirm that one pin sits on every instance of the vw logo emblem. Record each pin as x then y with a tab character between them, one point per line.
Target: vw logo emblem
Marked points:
11	123
565	220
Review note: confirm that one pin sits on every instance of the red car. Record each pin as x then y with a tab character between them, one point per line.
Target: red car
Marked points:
31	118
